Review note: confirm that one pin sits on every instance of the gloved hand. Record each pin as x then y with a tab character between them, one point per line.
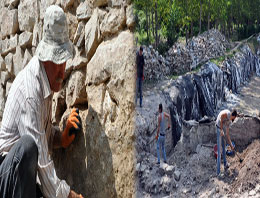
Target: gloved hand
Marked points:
73	126
156	137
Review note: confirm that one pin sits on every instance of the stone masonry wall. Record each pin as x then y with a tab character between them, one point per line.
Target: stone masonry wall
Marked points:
99	81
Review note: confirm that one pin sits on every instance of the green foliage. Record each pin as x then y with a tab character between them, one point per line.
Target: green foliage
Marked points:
162	22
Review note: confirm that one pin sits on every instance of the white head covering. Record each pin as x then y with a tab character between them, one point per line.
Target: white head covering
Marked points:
55	45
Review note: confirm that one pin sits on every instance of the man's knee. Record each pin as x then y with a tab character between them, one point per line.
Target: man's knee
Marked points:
30	149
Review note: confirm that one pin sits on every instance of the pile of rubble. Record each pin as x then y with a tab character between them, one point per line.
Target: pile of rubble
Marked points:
199	49
193	174
156	179
156	66
182	58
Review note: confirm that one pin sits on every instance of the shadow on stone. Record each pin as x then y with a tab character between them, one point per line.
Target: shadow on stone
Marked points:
87	164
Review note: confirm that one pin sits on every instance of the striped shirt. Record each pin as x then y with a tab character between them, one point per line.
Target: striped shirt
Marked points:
28	111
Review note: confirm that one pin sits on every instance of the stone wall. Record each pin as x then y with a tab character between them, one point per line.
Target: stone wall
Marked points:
99	81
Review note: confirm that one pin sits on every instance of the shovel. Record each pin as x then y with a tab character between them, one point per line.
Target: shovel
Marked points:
240	159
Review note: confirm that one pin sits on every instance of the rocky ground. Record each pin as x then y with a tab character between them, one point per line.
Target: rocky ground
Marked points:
193	174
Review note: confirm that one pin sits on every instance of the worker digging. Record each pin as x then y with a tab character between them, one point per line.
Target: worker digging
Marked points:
222	125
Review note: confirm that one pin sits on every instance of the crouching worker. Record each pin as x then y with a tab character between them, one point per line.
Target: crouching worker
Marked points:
223	123
160	137
26	134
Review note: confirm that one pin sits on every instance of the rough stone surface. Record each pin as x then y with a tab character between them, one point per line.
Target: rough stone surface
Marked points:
27	57
4	77
99	3
130	19
84	11
8	21
2	100
66	3
80	29
8	86
177	175
9	45
113	22
116	3
2	64
11	4
25	39
58	105
9	63
37	34
75	90
18	60
27	14
92	35
96	96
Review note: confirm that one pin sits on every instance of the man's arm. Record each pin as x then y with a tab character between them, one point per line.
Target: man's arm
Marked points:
30	123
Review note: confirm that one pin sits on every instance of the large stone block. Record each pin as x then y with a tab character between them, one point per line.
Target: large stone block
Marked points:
113	22
116	3
96	96
8	87
25	39
37	34
130	19
92	35
45	4
28	14
9	63
58	105
112	57
11	4
2	64
4	77
72	25
99	3
2	102
8	21
66	4
84	11
18	60
9	45
79	31
27	57
76	90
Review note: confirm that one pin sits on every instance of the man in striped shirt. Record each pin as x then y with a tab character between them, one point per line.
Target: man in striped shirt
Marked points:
26	135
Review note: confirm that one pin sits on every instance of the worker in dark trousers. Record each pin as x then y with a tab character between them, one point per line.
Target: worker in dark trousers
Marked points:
140	75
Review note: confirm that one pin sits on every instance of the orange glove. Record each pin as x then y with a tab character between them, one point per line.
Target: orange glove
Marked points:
156	137
73	126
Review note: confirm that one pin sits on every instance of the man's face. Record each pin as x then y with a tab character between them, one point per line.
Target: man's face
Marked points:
55	74
233	118
140	52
